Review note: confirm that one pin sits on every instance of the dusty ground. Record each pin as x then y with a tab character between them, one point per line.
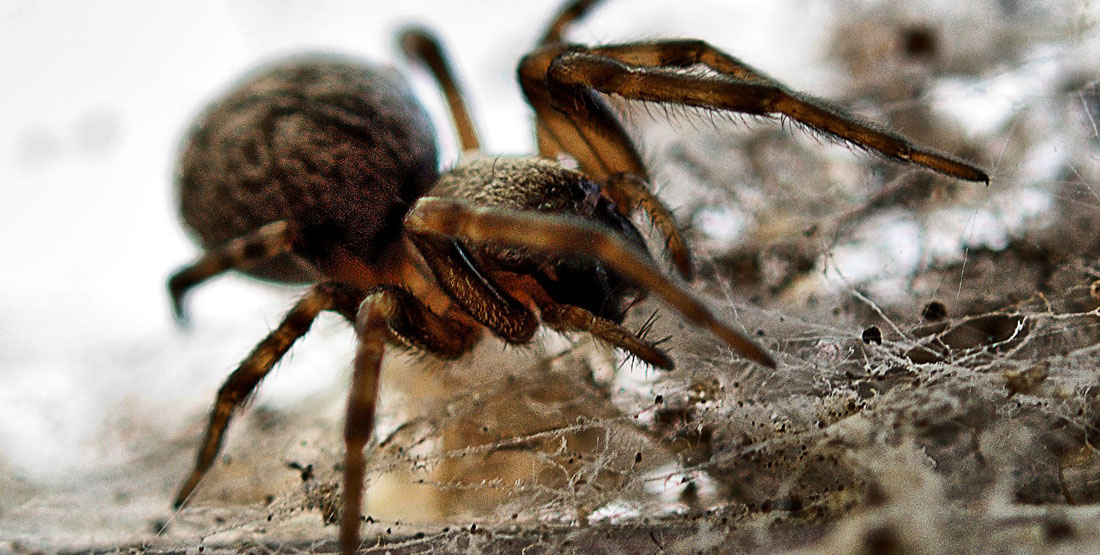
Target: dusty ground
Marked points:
937	348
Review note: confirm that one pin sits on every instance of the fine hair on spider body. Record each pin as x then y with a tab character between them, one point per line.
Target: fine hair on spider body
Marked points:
323	170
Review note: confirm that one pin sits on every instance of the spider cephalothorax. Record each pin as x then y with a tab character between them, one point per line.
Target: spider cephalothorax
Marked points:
540	185
324	169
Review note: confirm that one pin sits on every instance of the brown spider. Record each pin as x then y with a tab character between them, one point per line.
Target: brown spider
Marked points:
324	170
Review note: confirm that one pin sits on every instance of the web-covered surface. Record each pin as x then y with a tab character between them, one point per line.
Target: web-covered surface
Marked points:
937	386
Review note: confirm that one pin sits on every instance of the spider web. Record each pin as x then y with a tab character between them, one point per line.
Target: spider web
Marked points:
936	341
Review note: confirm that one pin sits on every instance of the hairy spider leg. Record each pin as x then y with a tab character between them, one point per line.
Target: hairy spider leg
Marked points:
567	318
422	45
602	149
573	75
449	218
551	146
385	310
359	419
637	195
239	254
243	381
682	53
627	187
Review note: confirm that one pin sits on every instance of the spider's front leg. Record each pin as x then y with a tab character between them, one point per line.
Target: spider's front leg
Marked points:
597	141
258	364
448	219
654	72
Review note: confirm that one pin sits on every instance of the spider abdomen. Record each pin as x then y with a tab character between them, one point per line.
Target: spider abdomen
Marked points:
336	148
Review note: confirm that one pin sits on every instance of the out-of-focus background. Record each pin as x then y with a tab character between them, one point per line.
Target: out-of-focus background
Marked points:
102	396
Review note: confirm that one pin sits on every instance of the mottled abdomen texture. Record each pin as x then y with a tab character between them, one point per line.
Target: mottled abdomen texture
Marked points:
335	147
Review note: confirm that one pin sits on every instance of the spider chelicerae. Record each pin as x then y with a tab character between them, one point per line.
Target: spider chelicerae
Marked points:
323	170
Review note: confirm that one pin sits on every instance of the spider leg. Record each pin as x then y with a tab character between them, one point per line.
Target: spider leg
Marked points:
385	309
448	218
599	143
420	44
243	381
241	253
638	195
569	14
565	17
682	53
601	147
573	76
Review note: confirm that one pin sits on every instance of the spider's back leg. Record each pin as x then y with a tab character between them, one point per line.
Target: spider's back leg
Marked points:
420	44
243	381
262	246
565	17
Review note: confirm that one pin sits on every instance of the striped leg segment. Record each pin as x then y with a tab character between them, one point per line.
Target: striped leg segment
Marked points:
385	310
241	253
243	381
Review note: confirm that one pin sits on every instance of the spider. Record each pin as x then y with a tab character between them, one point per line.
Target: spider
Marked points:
323	170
